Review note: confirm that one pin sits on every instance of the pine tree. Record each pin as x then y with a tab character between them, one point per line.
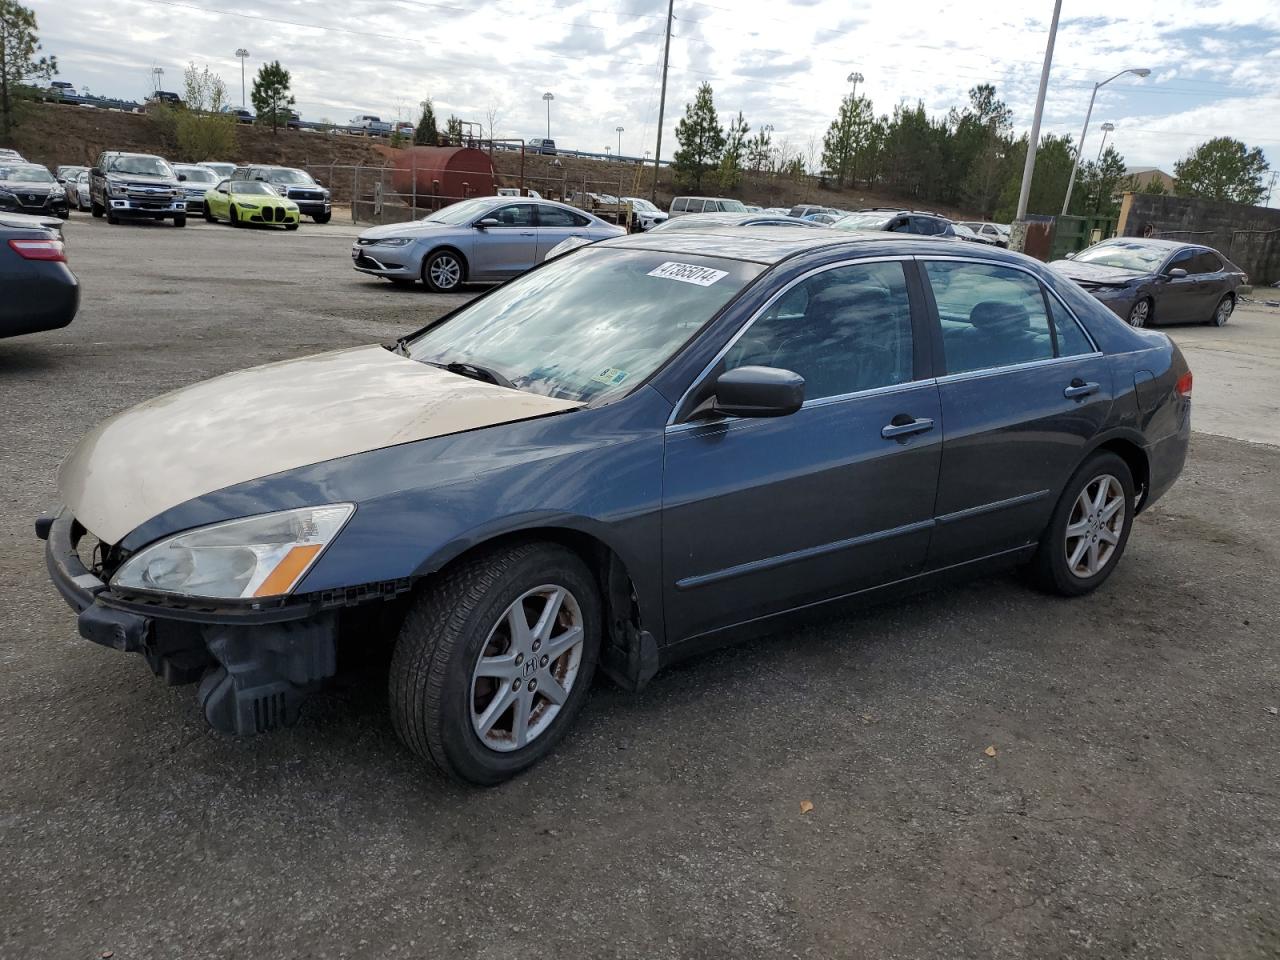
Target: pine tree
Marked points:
18	63
729	173
453	131
271	97
426	134
701	139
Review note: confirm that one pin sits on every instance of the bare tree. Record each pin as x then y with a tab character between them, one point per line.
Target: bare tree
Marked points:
491	117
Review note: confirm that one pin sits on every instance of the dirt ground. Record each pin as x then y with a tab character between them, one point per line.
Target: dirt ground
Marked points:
1128	806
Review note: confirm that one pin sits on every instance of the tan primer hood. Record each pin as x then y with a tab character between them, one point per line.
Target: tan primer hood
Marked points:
256	422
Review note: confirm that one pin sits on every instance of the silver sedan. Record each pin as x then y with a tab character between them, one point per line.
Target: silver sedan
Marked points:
482	240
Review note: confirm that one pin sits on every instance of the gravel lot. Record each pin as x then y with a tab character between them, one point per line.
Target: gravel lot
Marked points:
1132	807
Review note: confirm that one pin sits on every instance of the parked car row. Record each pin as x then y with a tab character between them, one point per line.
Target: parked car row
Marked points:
143	186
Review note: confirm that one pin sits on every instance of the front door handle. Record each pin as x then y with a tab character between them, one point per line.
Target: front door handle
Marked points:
1079	389
529	233
903	426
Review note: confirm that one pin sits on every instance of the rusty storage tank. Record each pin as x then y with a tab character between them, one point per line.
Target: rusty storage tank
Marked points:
450	173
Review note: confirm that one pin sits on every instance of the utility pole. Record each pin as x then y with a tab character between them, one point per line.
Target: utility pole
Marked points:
1029	168
662	102
548	97
1270	187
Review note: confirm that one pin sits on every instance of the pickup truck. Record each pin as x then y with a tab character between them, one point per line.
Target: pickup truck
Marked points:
370	126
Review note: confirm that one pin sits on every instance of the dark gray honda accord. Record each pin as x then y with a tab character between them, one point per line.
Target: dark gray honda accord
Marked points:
642	449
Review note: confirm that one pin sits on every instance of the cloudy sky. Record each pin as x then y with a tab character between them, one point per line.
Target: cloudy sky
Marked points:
1213	62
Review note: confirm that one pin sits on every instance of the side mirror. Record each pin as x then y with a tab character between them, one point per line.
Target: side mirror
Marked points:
1176	273
758	392
182	176
95	172
487	222
1069	255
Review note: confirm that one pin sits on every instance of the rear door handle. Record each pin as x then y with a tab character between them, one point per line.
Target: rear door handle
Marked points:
903	429
530	233
1079	389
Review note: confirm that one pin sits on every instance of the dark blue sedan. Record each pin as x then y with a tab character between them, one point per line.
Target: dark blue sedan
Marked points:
637	451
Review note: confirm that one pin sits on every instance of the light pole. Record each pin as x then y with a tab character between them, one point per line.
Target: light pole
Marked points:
1106	128
157	74
607	148
548	96
619	130
1033	142
1137	72
243	54
855	78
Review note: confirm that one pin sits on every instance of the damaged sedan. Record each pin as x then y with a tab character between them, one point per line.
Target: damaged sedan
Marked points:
640	450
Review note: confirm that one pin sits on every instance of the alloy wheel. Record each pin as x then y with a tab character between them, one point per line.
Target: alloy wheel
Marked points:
1223	313
1139	314
1097	520
445	272
527	668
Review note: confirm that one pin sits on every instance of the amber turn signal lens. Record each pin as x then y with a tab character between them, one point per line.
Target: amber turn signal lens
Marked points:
288	570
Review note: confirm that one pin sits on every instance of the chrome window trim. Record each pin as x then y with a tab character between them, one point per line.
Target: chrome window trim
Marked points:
1032	274
751	321
1008	368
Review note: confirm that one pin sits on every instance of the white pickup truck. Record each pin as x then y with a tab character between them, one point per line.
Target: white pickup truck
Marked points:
370	126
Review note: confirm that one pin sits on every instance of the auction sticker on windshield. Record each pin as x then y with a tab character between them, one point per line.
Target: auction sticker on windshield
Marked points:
688	273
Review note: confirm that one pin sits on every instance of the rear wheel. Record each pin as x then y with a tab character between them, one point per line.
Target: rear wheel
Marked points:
1222	313
1140	313
1089	529
495	660
442	271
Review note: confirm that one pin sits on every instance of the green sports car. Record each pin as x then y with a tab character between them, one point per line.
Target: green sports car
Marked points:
244	202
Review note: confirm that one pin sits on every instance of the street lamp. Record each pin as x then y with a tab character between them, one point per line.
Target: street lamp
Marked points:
1106	128
619	130
1137	72
855	78
607	148
158	74
548	96
243	54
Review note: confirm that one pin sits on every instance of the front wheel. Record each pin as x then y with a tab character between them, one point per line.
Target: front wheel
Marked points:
96	209
495	660
208	215
291	226
1089	528
322	217
233	218
442	271
1222	313
1140	313
180	220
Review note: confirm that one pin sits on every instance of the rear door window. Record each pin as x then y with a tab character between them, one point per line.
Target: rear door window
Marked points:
991	315
558	217
1205	262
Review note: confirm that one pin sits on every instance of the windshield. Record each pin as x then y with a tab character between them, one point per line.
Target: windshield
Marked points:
290	176
141	166
198	174
457	213
861	221
642	204
28	175
588	325
1124	254
732	206
252	186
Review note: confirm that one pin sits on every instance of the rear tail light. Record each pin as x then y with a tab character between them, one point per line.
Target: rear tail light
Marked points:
39	249
1183	386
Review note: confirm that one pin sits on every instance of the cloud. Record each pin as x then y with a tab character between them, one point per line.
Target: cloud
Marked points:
782	63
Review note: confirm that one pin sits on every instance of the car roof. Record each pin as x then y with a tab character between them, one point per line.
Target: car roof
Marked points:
772	244
1154	242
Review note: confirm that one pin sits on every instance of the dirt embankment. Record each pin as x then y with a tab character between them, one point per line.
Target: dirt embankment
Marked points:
55	134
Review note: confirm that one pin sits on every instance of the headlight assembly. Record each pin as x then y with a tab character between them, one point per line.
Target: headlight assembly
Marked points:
262	556
393	242
247	205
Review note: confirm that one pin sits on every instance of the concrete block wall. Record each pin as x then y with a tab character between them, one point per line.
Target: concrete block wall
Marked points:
1248	236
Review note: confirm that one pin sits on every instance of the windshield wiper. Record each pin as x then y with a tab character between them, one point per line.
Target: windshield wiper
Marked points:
475	372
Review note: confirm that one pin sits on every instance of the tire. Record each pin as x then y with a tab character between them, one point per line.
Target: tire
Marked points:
112	218
438	700
291	226
322	217
443	271
180	220
96	209
1140	313
208	215
65	216
233	218
1051	568
1222	312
